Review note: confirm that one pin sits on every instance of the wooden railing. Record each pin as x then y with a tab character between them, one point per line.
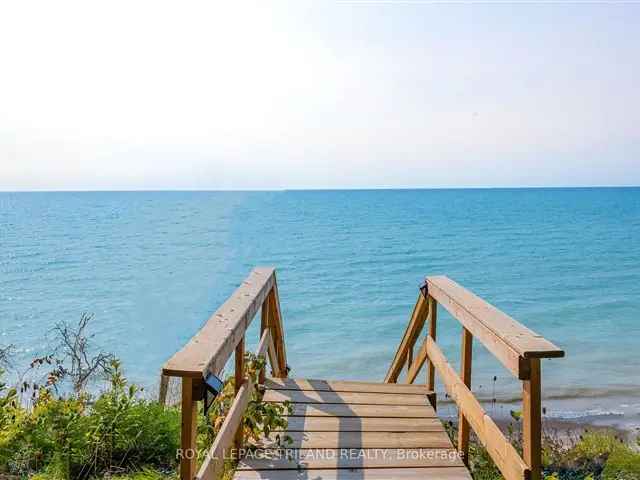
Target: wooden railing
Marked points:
515	346
208	352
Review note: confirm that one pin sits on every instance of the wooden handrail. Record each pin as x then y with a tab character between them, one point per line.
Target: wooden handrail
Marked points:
502	452
510	342
418	317
214	461
519	350
208	352
213	464
210	348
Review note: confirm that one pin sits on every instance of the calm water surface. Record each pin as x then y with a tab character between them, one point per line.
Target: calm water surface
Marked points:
153	266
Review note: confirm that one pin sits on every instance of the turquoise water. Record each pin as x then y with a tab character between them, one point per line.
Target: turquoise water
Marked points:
153	266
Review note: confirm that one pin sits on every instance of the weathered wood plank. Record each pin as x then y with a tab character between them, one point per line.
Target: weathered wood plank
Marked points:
355	424
502	452
532	420
303	396
365	440
189	428
465	376
425	473
265	336
412	332
164	389
310	459
266	349
266	345
344	410
278	329
213	464
433	325
211	347
510	341
418	362
343	386
263	345
239	375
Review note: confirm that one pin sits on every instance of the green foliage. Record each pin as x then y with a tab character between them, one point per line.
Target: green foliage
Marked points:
481	464
622	464
143	474
597	445
126	432
117	434
8	403
260	418
63	438
146	474
592	456
589	454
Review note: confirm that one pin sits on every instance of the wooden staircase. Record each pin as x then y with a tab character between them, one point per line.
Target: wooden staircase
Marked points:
356	430
350	430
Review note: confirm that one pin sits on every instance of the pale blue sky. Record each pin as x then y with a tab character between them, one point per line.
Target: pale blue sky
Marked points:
197	95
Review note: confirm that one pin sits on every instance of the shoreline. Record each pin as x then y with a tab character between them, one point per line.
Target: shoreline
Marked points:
614	413
569	430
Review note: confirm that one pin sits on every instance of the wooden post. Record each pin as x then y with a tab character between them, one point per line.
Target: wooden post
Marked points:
189	430
409	358
532	420
465	376
239	380
275	323
264	325
164	388
431	371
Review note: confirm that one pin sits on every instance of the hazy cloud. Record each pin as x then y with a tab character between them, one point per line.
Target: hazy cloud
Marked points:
255	95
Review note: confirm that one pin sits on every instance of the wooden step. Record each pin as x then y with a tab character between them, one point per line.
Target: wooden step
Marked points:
352	398
380	411
345	430
357	424
364	440
435	473
343	386
311	459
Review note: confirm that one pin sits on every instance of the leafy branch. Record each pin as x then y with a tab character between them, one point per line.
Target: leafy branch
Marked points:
260	419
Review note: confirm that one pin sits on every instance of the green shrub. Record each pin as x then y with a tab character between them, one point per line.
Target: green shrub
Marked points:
63	438
146	474
481	464
126	432
589	454
594	445
118	433
622	464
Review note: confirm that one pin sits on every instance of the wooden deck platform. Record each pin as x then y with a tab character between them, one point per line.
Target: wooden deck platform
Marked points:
355	430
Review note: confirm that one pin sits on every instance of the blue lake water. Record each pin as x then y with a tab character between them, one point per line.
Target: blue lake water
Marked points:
152	267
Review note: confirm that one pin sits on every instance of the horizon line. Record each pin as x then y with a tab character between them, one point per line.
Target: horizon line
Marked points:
317	189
